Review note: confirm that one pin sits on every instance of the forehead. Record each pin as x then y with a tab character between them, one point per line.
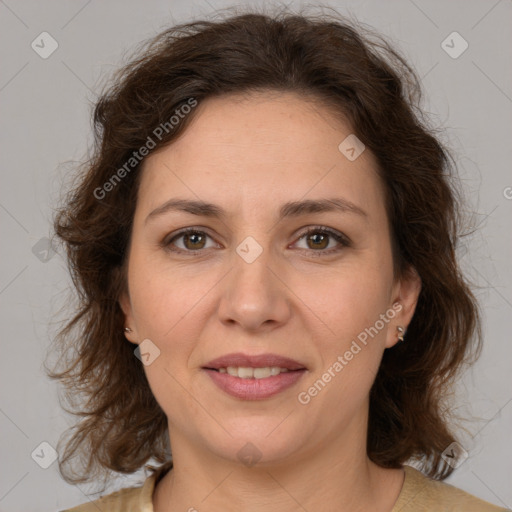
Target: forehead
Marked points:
261	149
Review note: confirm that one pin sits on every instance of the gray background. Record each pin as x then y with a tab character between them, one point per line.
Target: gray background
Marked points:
45	127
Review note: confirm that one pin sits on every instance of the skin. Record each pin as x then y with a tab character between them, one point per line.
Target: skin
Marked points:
249	155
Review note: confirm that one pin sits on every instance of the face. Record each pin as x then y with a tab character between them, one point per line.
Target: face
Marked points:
289	258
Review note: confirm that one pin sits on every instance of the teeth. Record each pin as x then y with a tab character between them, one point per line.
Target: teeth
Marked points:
244	372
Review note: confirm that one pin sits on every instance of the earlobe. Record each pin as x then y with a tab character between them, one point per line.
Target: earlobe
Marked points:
128	334
129	330
406	295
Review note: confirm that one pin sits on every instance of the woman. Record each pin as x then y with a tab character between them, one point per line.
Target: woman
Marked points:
263	244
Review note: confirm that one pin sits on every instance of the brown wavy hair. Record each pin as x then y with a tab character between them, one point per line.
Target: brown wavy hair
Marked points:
359	76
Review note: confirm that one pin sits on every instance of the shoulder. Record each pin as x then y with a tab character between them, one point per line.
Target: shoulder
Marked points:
422	494
130	499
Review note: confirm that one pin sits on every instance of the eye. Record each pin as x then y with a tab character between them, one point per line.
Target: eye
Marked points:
324	240
317	239
189	240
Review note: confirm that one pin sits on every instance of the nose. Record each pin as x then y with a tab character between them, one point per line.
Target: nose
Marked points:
255	296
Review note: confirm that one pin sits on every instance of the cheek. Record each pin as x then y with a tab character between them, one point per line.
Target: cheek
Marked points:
165	307
349	341
346	302
164	298
349	334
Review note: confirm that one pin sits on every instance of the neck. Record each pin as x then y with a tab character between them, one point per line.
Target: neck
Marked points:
336	477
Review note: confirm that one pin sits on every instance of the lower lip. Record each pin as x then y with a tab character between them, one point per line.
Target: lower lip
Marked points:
254	389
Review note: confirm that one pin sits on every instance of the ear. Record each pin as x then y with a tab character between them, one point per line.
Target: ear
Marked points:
129	322
404	299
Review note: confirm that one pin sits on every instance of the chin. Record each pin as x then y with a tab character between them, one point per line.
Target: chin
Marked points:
265	440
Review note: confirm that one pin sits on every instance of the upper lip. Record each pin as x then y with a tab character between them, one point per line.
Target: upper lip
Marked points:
259	361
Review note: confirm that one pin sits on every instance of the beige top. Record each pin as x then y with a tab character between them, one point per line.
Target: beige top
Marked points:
419	494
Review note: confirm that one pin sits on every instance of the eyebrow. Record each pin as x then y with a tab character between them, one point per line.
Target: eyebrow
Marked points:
290	209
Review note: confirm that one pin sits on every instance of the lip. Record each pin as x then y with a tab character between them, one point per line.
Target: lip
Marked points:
254	389
257	361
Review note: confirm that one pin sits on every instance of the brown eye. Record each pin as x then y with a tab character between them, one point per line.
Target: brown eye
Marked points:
189	240
194	241
323	240
318	241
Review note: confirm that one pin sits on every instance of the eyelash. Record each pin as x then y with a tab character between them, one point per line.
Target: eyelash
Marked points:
343	240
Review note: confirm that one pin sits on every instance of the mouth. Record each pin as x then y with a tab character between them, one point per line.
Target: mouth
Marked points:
246	372
262	361
254	377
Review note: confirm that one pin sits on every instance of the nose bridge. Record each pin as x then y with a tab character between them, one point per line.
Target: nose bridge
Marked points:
251	268
253	295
